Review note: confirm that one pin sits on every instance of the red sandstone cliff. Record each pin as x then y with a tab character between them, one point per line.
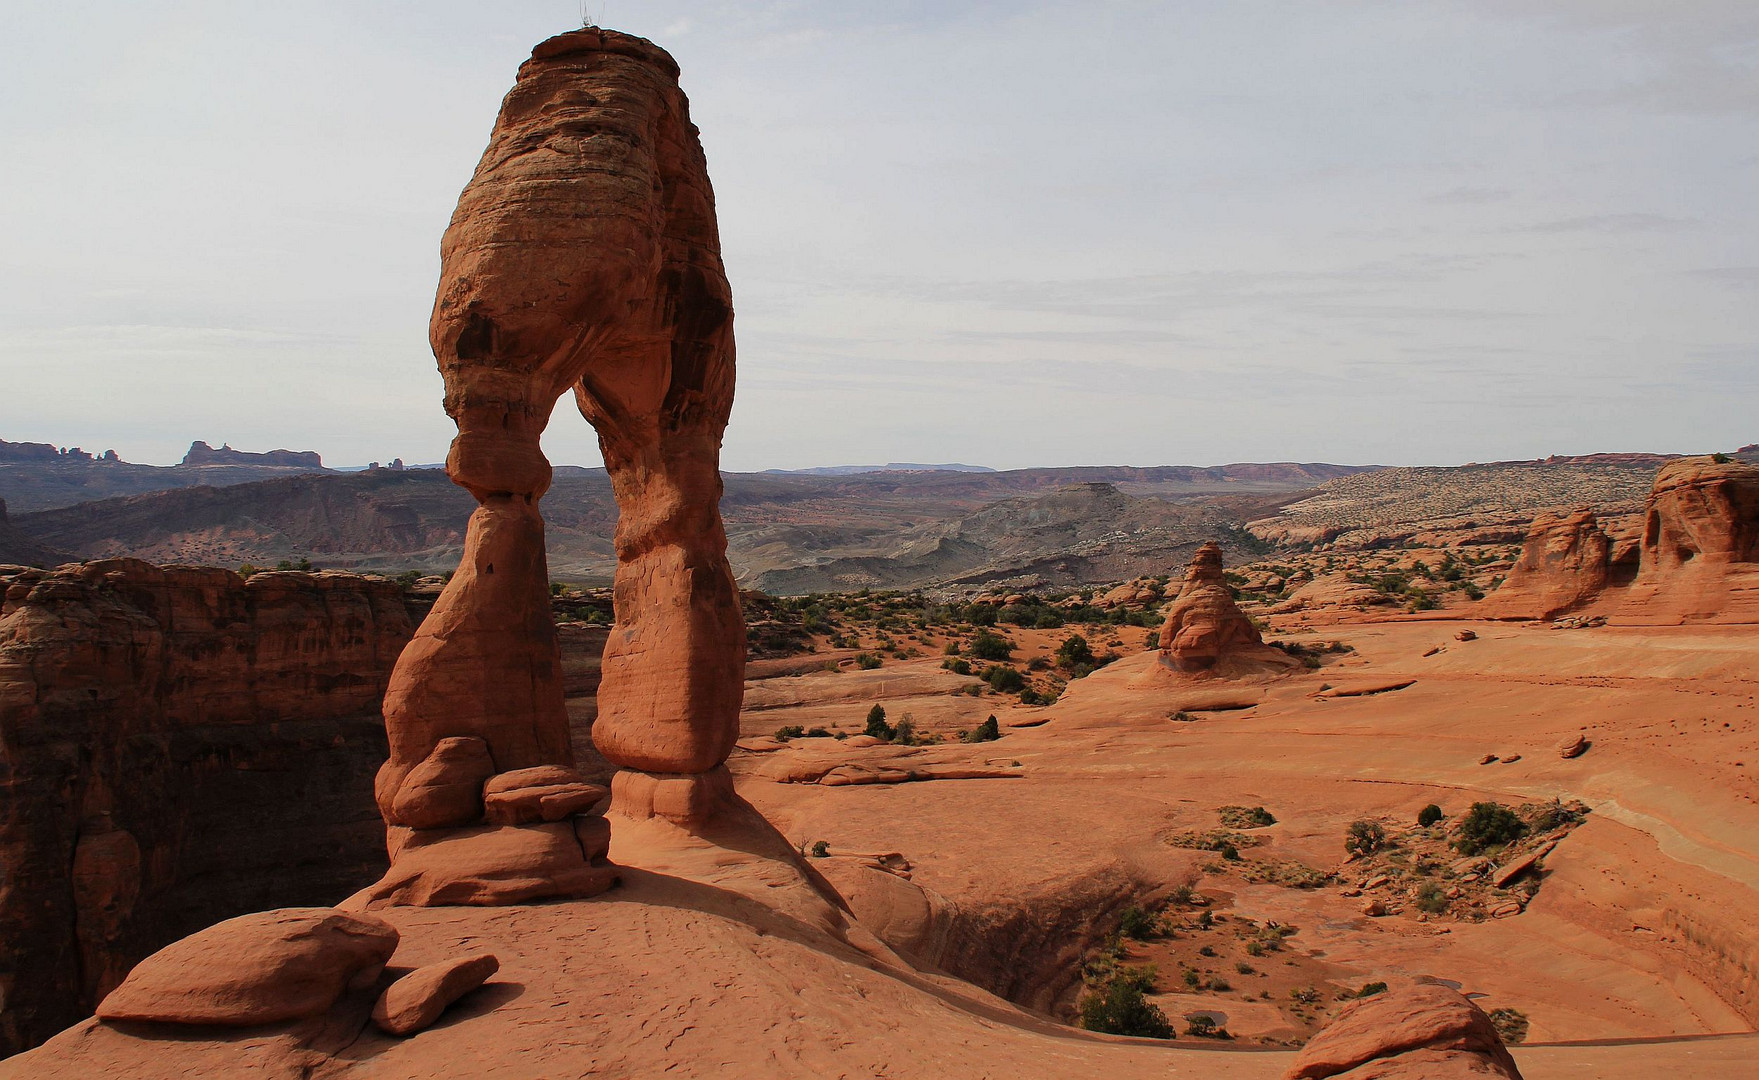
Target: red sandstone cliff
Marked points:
180	745
1700	548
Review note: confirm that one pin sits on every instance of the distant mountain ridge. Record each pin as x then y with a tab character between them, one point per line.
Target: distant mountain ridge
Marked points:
894	466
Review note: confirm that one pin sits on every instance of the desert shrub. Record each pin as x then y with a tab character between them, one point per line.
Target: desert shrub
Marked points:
1203	1026
1304	995
406	579
1371	989
867	661
1214	840
294	564
958	666
988	731
1488	825
1138	923
1364	838
986	645
1428	816
1510	1025
1245	817
1244	968
1029	696
1218	985
1431	898
1544	817
1230	853
821	849
1205	920
1117	1007
1073	651
1285	872
1182	717
904	733
980	614
877	726
1721	458
816	733
792	731
1004	679
1255	948
1192	978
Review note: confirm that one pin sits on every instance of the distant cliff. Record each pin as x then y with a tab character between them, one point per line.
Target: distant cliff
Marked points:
200	453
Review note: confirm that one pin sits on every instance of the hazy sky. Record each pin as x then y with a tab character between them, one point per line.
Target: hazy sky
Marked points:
1003	233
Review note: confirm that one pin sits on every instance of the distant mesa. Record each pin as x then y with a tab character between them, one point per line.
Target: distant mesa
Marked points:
47	453
200	453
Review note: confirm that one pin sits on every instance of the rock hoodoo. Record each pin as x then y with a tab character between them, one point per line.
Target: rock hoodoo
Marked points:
1564	564
582	256
1206	631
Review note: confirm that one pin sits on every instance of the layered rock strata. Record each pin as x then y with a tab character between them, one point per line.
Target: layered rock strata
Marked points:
1205	631
181	745
582	257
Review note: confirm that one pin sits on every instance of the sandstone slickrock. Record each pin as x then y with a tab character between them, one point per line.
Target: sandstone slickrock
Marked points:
1564	563
1700	546
1206	631
1419	1031
255	969
418	998
582	256
181	745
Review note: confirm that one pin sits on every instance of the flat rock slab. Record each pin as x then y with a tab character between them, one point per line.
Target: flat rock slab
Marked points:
256	969
418	998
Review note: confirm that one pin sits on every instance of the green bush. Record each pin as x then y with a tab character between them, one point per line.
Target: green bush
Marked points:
1488	825
1203	1026
1003	679
877	726
1118	1008
958	666
1138	923
904	734
1428	816
792	731
821	849
1364	838
1721	458
1074	651
1431	898
866	661
988	731
1371	989
986	645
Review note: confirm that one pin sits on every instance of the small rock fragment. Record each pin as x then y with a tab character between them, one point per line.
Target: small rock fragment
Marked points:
418	998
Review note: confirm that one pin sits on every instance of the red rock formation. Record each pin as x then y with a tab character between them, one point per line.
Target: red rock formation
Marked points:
181	746
1206	631
1700	546
583	255
1417	1033
1564	564
260	968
